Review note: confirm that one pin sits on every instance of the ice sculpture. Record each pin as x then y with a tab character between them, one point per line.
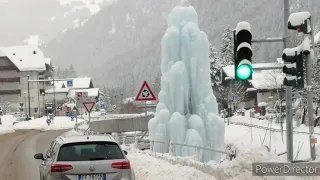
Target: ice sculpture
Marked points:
187	109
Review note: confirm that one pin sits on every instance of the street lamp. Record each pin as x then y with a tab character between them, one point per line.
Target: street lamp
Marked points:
25	102
44	106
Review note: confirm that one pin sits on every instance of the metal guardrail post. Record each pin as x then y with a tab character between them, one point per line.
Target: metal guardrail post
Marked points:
171	148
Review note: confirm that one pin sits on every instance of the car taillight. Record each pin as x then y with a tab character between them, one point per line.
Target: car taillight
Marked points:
60	167
121	165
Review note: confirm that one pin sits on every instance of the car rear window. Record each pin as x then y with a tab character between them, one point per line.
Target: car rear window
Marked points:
88	151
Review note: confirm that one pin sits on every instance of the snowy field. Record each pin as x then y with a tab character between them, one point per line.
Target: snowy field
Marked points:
59	122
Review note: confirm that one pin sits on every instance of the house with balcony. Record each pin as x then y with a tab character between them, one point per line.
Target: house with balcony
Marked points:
265	85
17	63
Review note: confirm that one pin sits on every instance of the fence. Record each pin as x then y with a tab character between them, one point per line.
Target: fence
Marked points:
229	152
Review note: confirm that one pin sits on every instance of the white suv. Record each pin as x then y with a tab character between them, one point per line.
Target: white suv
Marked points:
93	157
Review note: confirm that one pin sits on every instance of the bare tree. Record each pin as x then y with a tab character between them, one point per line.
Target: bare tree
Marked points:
273	81
5	106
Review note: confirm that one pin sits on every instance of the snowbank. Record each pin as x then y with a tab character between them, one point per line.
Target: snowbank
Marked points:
6	126
185	168
41	124
147	167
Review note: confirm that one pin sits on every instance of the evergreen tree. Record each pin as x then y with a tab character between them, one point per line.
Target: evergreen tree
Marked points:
58	73
215	66
215	74
316	78
71	72
226	50
157	84
107	98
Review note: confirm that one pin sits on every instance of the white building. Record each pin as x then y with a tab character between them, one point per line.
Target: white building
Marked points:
62	91
16	64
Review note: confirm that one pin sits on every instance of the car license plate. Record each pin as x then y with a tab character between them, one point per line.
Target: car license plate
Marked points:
93	177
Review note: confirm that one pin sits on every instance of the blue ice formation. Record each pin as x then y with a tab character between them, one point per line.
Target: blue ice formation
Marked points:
187	112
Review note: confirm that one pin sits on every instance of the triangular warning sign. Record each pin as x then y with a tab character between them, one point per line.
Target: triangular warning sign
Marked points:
63	86
88	106
145	93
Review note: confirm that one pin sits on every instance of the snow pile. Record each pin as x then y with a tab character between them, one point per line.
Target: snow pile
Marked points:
41	124
159	164
241	167
6	125
187	109
147	167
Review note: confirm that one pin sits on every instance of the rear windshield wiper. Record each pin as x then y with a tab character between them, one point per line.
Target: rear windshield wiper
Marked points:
98	158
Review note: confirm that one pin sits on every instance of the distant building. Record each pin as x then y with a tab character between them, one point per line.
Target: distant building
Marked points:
16	64
63	92
267	79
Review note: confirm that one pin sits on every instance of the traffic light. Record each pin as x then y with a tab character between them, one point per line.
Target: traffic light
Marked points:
294	70
243	53
299	22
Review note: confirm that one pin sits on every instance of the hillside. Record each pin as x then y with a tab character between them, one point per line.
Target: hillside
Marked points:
45	19
121	43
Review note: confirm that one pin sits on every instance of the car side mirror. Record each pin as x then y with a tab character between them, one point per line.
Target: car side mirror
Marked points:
39	156
125	152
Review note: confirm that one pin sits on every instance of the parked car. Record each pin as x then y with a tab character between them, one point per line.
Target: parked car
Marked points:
95	157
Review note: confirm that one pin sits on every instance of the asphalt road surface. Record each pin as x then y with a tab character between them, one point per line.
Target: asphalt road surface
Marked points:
17	150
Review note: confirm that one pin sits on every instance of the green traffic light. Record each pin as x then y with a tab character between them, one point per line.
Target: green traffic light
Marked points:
244	71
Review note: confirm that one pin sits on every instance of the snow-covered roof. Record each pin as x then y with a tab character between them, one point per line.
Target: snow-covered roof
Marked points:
129	99
229	70
47	61
261	79
25	58
78	83
267	79
92	92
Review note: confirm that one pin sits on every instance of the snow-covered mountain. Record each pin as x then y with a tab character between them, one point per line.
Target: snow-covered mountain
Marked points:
124	38
38	21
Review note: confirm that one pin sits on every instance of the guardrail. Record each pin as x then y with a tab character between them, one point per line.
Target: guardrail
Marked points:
230	153
268	128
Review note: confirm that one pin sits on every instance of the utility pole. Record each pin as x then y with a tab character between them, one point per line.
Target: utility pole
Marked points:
289	127
54	94
29	97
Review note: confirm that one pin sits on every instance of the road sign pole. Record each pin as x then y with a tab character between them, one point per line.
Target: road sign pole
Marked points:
145	107
76	114
89	120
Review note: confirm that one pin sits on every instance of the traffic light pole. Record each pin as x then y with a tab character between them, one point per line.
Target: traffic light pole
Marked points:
289	117
309	96
310	106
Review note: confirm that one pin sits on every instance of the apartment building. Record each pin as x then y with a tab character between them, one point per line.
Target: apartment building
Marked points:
16	64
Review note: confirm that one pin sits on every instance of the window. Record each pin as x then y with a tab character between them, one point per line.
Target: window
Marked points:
89	151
